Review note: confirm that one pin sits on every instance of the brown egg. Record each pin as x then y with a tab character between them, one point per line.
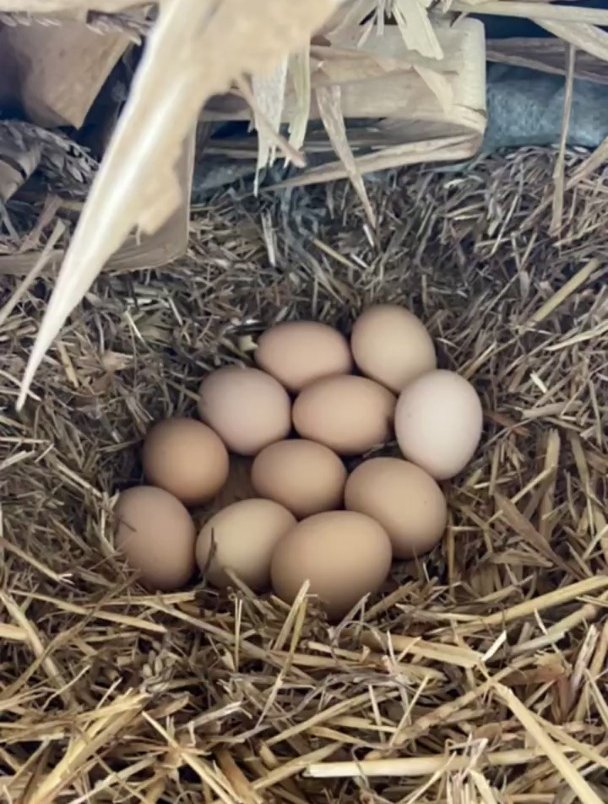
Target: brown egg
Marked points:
242	538
348	414
392	346
344	555
246	407
404	499
298	352
156	535
304	476
186	458
438	423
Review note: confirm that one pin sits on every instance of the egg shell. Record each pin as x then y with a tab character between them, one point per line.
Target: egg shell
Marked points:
186	458
242	538
438	423
404	499
297	353
344	555
304	476
392	346
346	413
156	534
246	407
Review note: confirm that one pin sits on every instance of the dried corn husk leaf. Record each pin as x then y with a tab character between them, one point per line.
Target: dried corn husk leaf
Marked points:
546	55
299	70
339	65
533	10
76	8
418	34
328	100
586	37
444	149
270	130
269	95
439	86
382	81
195	50
349	14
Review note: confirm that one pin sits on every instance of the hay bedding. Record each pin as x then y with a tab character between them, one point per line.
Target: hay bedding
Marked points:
491	687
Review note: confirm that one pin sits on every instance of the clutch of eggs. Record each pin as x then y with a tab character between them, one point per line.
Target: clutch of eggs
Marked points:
305	520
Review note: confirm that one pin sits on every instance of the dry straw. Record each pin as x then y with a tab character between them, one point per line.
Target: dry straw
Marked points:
479	673
199	48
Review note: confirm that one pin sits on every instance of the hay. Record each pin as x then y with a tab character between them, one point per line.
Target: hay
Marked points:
197	50
478	673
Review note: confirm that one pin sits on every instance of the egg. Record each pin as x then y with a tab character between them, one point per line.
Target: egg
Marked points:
246	407
404	499
438	422
186	458
298	352
344	555
302	475
392	346
346	413
156	535
242	538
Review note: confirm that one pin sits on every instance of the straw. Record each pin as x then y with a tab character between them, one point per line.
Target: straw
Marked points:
478	671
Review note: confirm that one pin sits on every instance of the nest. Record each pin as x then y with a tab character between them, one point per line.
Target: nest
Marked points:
478	673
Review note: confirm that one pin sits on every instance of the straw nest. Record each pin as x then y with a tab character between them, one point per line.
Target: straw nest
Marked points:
479	674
